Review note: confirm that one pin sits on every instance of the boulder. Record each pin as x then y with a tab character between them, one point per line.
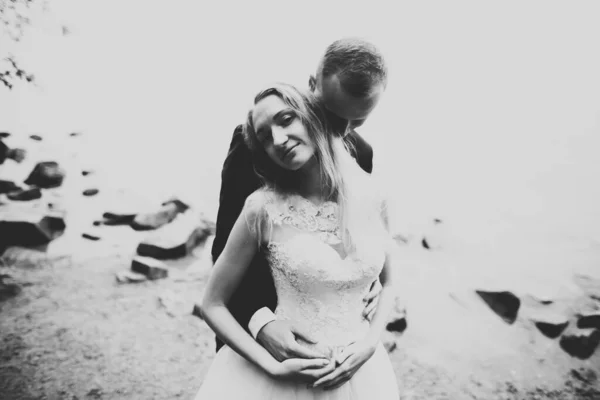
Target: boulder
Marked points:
505	304
46	174
32	193
89	236
4	135
580	343
590	319
154	220
33	227
150	267
197	311
130	277
176	239
550	324
90	192
36	137
397	321
8	186
117	218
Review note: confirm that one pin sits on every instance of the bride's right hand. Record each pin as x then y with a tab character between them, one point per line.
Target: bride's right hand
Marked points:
302	370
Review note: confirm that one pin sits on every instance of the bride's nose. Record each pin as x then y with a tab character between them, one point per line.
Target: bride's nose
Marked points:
279	136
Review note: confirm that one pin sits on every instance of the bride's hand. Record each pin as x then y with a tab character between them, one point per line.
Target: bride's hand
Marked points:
302	370
351	358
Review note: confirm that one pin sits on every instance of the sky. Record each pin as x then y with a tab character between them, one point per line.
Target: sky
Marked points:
492	108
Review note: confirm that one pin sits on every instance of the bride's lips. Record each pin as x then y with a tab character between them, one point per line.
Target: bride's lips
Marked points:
288	152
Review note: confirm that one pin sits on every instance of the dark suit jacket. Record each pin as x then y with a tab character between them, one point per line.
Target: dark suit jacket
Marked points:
238	181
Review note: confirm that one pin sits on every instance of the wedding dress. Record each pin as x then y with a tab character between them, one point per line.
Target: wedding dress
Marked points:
320	289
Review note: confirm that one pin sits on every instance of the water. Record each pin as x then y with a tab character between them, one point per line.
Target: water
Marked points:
491	120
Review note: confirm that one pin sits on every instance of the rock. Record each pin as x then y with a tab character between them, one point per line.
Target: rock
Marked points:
86	172
197	311
397	321
90	236
181	206
47	174
550	324
117	218
397	325
589	319
33	228
8	288
154	220
130	277
90	192
176	239
4	135
150	267
8	186
580	343
73	134
36	137
505	304
32	193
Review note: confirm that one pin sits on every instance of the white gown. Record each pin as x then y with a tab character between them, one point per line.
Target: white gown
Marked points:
319	290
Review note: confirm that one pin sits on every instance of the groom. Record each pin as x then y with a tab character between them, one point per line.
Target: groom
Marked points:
350	79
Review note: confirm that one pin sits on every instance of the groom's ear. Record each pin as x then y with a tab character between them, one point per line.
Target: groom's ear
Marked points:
312	83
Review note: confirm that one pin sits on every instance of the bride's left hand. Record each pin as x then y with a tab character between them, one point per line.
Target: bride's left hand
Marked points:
348	361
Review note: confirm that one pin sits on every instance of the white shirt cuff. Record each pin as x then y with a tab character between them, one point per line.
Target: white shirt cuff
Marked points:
259	320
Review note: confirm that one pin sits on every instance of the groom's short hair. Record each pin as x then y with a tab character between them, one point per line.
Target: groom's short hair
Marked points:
358	64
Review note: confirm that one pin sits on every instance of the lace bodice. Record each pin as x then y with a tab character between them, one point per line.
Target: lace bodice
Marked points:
319	287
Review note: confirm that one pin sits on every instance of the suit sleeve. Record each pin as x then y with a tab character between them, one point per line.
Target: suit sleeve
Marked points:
3	152
238	181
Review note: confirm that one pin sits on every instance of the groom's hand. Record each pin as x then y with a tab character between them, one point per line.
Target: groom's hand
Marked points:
279	338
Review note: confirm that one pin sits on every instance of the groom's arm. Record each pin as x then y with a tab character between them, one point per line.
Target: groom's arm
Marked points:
238	181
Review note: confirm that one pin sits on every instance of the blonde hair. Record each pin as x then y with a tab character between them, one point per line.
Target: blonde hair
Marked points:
342	179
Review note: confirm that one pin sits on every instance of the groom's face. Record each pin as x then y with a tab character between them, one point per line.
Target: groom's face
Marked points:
345	111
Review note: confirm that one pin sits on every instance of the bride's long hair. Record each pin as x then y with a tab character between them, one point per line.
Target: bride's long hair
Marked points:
343	181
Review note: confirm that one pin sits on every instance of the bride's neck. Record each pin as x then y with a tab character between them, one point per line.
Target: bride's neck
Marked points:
310	184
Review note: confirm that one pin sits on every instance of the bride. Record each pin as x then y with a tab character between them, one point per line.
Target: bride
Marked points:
322	224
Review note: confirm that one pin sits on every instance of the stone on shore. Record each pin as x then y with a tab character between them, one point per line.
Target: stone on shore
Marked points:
90	192
33	226
580	343
550	324
32	193
130	277
150	267
46	175
154	220
177	239
505	304
8	186
590	319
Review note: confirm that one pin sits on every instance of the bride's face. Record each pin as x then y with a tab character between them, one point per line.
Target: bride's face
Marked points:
281	133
